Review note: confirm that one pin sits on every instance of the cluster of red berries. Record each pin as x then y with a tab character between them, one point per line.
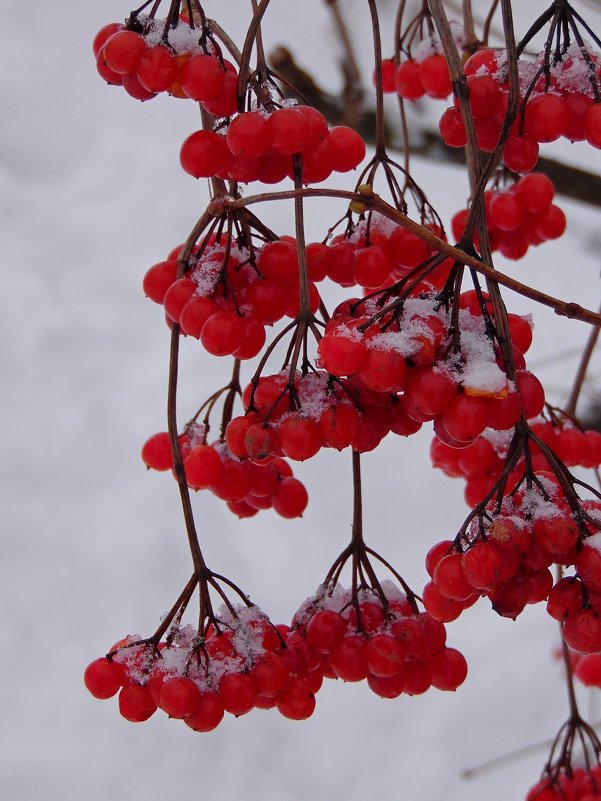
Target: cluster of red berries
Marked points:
462	390
377	256
245	486
506	556
481	463
229	295
417	77
258	145
147	63
564	104
570	784
394	647
318	412
522	215
243	663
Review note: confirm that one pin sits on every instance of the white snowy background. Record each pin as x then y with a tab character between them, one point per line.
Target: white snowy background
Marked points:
93	545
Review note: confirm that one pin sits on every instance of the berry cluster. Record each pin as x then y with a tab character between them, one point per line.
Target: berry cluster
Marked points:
376	256
519	216
394	647
506	555
557	99
258	146
159	58
316	412
245	486
230	293
482	462
252	146
575	784
456	382
239	664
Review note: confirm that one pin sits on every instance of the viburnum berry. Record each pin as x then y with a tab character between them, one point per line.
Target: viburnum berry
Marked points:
291	498
434	76
136	703
238	692
221	334
157	69
179	697
208	713
545	118
156	452
247	135
202	77
204	153
297	702
408	82
347	148
104	678
123	51
448	669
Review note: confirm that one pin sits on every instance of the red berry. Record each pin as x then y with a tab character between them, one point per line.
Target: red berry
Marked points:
156	452
208	714
434	76
179	697
408	82
123	50
103	677
238	692
347	148
135	703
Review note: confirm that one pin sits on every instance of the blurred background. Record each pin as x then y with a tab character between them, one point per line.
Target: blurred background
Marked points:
93	545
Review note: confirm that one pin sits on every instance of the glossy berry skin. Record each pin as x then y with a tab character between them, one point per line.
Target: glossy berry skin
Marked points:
123	50
104	678
156	452
325	630
203	154
238	693
208	714
179	697
297	702
348	659
385	655
136	703
448	669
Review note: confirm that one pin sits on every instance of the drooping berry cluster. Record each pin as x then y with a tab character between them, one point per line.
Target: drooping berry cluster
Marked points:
575	784
258	146
394	647
317	412
247	487
482	462
558	98
519	216
505	554
230	293
456	381
153	57
238	665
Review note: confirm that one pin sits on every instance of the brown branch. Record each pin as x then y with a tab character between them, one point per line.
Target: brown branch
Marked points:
374	202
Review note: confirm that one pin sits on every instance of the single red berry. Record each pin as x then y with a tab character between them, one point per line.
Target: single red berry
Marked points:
103	677
179	697
135	703
156	452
